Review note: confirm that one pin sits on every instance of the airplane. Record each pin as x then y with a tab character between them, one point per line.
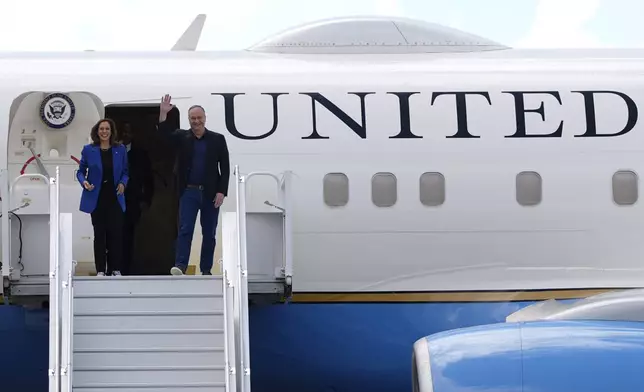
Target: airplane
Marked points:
439	180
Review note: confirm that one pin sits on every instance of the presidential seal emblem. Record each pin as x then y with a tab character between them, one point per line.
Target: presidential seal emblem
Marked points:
57	110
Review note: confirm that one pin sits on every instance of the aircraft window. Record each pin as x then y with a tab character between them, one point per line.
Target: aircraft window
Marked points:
625	187
336	189
528	188
384	191
432	189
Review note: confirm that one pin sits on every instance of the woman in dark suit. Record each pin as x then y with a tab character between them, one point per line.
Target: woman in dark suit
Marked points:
103	174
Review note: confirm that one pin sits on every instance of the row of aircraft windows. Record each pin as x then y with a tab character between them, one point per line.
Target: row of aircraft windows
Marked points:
384	192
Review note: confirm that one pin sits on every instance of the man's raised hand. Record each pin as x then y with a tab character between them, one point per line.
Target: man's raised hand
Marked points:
165	107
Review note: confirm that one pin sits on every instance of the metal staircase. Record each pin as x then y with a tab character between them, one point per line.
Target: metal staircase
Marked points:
152	333
149	332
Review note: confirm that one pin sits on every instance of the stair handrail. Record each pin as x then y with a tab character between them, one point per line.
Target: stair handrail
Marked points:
283	184
242	280
29	175
228	313
68	365
54	278
224	292
285	191
241	267
67	265
7	197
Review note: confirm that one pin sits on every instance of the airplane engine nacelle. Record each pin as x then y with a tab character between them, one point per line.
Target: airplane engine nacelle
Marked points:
542	356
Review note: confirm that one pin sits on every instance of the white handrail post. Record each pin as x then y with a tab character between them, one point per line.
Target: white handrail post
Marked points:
67	306
288	230
6	229
54	285
229	264
242	280
239	365
229	332
224	292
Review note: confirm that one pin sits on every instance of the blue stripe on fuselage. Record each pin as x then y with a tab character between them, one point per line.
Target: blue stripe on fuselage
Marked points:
296	347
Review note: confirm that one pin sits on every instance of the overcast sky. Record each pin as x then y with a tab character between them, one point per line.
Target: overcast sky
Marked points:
36	25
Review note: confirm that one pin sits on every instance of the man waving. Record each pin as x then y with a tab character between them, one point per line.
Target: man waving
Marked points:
203	172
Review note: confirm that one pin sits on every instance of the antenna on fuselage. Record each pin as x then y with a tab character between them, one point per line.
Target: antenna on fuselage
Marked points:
190	38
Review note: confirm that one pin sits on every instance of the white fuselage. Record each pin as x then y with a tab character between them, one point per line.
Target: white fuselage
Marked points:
473	236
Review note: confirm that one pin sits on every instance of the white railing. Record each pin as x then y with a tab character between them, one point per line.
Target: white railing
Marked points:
236	265
229	330
61	295
55	234
7	197
283	192
241	294
287	203
6	235
66	273
54	284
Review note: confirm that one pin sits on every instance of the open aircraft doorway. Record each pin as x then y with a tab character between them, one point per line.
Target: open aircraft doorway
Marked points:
155	233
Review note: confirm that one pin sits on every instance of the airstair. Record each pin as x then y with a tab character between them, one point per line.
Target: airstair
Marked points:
170	333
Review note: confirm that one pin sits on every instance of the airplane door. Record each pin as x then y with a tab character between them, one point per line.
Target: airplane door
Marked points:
48	129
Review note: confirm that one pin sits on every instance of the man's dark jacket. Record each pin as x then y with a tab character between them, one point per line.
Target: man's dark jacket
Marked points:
217	170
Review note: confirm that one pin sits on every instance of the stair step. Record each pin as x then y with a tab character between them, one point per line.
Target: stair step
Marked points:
174	387
149	374
131	320
170	338
156	302
201	356
134	285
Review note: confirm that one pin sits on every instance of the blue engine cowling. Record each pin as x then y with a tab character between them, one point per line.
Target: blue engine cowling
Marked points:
539	356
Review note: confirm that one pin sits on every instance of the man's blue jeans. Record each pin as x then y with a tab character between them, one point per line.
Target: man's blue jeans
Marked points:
190	202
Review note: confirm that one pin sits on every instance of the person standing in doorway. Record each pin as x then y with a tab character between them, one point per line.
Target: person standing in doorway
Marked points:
203	172
139	192
103	174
